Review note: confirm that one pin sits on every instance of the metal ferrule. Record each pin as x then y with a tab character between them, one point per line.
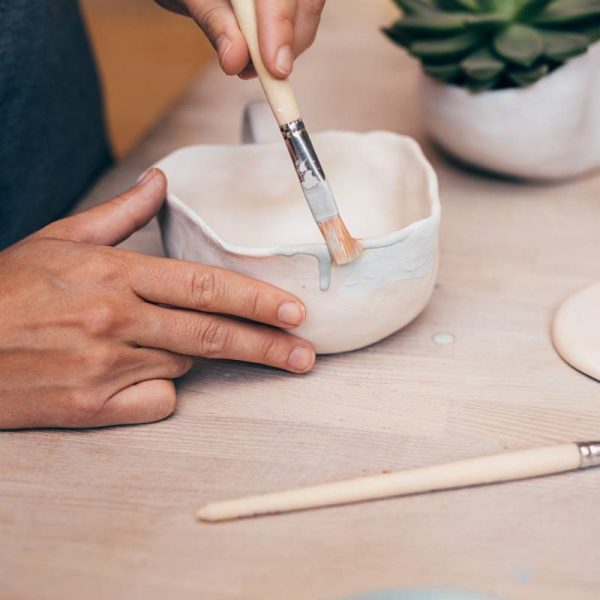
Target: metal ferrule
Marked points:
317	192
590	454
302	152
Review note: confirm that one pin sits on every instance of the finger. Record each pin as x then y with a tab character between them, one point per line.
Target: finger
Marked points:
144	402
209	289
248	73
212	336
140	364
115	220
118	370
104	368
308	17
174	6
217	20
276	31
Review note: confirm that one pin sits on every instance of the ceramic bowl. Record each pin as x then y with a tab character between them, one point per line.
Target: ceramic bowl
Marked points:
240	207
547	131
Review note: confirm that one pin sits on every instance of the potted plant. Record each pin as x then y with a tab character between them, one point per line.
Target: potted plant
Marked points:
511	86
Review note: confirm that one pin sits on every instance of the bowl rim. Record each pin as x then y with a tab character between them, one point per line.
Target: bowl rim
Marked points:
175	202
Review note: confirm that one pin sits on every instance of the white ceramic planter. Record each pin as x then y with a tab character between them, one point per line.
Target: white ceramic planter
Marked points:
241	208
548	131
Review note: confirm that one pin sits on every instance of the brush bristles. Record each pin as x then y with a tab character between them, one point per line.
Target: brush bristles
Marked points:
342	246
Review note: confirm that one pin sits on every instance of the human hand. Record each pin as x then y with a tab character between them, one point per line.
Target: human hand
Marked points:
92	335
286	28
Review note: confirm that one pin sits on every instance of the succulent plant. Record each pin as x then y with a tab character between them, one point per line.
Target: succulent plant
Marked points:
493	44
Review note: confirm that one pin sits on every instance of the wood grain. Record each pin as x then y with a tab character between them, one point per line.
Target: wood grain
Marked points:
110	513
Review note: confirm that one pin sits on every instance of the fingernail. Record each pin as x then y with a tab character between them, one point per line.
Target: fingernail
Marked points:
148	175
223	47
301	359
284	60
291	313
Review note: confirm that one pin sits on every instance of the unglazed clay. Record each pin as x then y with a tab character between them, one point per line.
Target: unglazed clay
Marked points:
550	130
576	331
241	208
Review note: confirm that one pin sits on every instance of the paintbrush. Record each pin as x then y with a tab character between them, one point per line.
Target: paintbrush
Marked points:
495	468
342	246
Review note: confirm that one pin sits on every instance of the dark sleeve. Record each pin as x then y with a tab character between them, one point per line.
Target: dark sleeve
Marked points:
52	137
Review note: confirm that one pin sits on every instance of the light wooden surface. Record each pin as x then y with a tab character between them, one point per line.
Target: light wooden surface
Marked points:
110	513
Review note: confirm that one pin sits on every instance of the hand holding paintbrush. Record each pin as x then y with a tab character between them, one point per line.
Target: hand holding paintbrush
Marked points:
342	246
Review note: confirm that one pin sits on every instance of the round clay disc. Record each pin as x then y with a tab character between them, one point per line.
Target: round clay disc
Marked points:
576	331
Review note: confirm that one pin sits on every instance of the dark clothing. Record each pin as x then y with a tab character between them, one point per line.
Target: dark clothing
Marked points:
52	137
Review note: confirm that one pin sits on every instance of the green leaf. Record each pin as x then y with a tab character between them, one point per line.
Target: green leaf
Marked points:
448	72
519	44
482	65
429	25
523	77
529	8
562	12
434	23
490	20
492	5
398	36
481	86
591	31
414	7
448	47
459	4
561	45
493	44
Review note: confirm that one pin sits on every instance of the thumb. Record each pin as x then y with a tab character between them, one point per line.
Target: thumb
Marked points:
114	221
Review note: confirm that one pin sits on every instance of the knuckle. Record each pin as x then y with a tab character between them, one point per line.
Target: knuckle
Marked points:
83	408
213	338
97	361
271	351
254	302
283	18
168	401
179	366
101	319
103	264
97	262
277	13
186	365
89	264
204	290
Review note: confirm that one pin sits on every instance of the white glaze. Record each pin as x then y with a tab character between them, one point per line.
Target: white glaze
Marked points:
241	208
576	330
550	130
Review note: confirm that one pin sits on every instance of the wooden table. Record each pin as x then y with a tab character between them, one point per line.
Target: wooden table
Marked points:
109	513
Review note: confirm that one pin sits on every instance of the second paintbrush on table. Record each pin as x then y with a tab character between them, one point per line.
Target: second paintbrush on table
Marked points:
482	470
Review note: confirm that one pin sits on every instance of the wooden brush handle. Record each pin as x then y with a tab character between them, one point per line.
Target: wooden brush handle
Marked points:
279	92
509	466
